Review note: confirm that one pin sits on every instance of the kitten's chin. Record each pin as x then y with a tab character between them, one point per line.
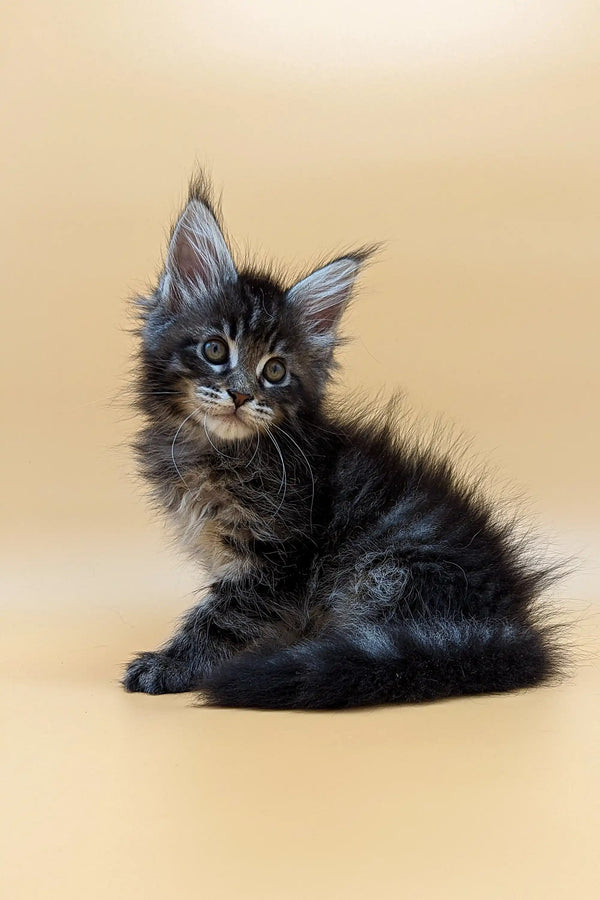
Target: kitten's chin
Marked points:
228	428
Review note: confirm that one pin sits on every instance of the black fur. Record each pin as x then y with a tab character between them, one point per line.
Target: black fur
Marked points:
348	566
430	660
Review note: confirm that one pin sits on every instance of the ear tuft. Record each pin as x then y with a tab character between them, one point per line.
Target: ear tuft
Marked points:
325	293
198	256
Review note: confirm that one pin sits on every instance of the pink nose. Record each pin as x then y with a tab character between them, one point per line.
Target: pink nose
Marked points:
239	399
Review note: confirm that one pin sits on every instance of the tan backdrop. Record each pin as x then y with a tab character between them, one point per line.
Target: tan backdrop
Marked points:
466	137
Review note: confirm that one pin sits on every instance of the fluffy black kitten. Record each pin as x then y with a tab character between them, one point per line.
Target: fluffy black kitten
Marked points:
346	568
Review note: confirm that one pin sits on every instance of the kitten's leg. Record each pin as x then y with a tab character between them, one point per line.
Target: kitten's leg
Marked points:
210	633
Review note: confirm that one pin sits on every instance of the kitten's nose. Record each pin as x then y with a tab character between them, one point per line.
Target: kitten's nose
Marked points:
239	399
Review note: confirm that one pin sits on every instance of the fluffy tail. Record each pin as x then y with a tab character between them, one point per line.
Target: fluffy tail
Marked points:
413	663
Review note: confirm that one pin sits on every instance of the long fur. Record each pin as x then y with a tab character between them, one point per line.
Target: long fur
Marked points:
348	564
413	663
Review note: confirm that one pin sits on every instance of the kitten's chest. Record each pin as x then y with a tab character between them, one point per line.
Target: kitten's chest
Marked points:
217	525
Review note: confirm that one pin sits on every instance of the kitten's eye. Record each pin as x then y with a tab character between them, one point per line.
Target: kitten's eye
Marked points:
274	370
215	351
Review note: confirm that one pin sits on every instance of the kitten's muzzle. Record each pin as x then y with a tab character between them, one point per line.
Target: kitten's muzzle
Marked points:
238	398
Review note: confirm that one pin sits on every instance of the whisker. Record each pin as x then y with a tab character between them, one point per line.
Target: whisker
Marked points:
173	448
255	450
283	471
209	440
312	477
215	448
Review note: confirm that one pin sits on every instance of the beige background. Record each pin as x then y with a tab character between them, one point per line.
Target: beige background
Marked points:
466	136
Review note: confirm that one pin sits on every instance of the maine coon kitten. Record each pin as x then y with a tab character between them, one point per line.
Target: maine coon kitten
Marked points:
346	568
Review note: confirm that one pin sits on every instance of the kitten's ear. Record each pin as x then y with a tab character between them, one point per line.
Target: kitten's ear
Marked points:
198	259
324	294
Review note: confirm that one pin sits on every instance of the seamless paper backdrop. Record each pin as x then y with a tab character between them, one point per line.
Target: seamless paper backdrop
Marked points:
463	136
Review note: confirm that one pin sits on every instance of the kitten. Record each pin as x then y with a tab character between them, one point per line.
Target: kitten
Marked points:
346	568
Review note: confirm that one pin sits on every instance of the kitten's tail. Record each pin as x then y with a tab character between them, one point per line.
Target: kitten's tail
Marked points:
411	663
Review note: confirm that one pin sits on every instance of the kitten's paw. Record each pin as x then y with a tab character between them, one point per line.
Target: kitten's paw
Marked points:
157	673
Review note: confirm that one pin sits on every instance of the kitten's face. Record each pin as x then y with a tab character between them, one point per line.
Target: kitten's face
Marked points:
235	353
237	364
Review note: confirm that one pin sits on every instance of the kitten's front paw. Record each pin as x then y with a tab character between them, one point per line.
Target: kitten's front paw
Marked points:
156	673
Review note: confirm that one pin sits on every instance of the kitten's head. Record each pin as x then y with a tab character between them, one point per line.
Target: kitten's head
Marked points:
236	351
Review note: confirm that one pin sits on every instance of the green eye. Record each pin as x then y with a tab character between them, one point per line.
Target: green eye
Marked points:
215	351
274	370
